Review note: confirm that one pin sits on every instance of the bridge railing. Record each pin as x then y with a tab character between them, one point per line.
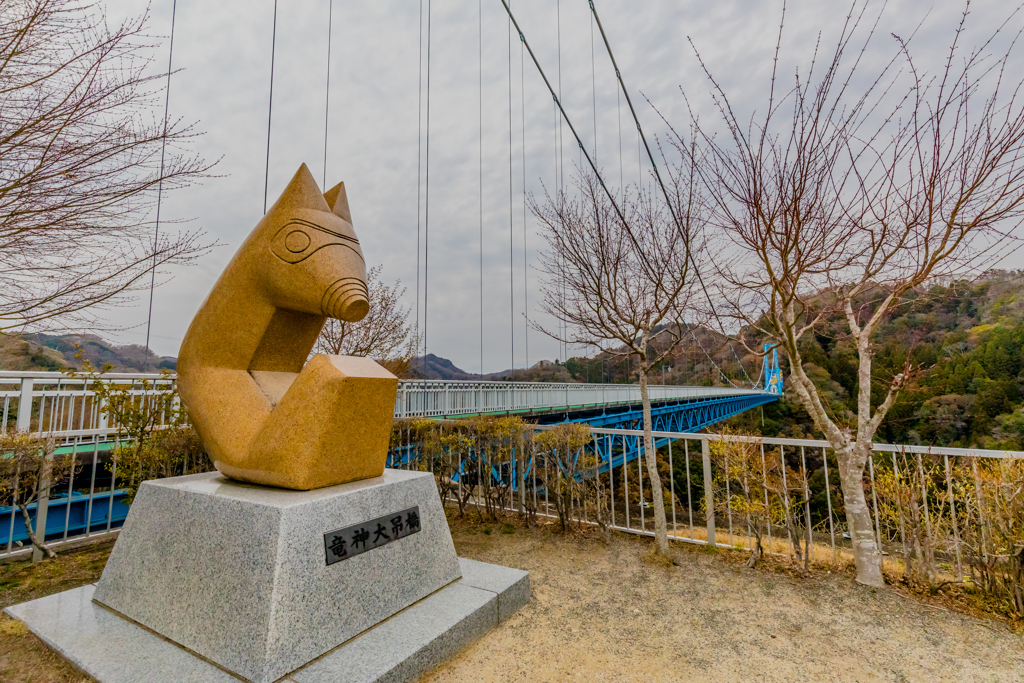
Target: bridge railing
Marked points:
432	398
935	509
67	406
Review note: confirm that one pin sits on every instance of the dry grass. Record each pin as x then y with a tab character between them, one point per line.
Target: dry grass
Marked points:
23	657
601	611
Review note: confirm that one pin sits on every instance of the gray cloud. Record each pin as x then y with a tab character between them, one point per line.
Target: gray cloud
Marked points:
223	50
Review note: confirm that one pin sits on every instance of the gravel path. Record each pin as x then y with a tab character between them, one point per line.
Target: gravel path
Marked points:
601	613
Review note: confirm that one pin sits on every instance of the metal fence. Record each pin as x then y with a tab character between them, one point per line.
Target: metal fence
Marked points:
609	487
86	507
66	406
928	504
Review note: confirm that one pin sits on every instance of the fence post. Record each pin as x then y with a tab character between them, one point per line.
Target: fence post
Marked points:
709	492
24	422
519	462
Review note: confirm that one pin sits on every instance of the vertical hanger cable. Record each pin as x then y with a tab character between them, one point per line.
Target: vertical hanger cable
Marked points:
270	108
426	203
561	162
593	84
160	183
480	148
511	230
419	184
327	99
526	294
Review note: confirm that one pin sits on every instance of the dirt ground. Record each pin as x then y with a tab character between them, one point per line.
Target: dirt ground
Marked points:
601	612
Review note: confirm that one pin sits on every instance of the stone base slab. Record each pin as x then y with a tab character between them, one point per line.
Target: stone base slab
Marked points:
113	649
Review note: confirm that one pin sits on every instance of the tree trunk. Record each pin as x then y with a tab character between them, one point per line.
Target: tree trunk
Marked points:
852	455
32	534
757	551
651	456
866	555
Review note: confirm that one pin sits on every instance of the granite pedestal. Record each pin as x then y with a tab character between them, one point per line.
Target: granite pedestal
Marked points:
243	577
112	649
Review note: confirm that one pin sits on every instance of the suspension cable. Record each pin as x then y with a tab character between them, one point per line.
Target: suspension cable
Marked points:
426	204
327	99
511	229
708	355
160	182
657	176
526	292
270	108
480	152
419	184
583	152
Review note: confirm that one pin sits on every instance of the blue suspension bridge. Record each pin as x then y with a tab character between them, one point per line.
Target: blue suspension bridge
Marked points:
616	406
65	407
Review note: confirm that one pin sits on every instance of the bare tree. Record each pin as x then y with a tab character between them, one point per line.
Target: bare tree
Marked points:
28	469
620	275
82	143
840	199
385	334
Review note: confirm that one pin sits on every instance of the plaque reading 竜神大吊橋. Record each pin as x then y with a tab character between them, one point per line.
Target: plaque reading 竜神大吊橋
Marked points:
350	541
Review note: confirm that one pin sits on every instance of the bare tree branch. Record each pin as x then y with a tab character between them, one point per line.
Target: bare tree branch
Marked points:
860	186
81	133
622	281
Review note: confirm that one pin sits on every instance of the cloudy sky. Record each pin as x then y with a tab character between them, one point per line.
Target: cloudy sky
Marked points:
376	131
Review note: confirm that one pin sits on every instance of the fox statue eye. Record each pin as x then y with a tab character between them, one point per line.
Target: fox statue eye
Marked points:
299	239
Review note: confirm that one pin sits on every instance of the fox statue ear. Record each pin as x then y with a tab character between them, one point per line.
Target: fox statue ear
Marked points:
302	192
338	201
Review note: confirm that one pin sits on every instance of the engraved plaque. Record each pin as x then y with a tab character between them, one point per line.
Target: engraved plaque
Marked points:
350	541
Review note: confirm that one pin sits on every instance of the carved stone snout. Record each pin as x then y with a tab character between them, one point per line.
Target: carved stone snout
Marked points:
346	299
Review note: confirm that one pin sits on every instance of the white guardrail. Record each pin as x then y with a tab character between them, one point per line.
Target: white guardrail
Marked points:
610	490
450	398
66	406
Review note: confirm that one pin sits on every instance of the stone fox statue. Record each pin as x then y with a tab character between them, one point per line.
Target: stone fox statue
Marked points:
266	415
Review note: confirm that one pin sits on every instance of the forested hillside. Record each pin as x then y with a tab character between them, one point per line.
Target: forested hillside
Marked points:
965	342
965	345
50	352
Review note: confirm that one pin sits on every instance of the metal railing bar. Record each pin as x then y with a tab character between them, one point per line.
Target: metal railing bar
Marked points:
874	500
689	498
828	499
815	443
71	491
672	485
